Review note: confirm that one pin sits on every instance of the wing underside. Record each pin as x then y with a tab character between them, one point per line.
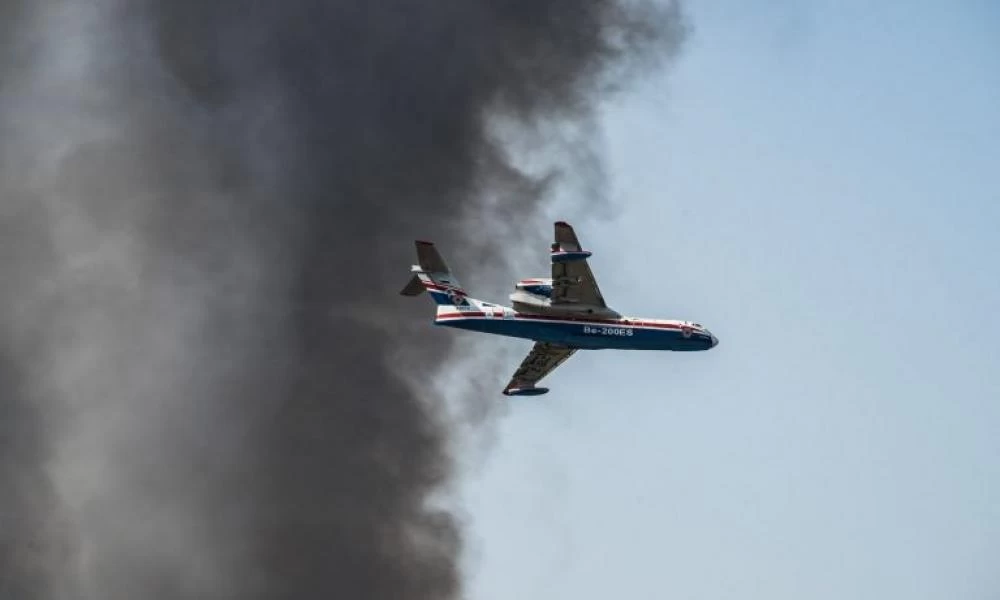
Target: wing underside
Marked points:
542	360
572	281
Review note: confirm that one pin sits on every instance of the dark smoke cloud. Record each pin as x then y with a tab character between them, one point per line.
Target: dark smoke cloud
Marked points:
207	209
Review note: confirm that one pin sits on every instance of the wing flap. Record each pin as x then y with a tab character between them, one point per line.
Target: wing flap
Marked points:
572	281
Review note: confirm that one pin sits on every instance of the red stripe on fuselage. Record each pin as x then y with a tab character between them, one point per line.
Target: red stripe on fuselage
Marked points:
434	287
461	315
575	320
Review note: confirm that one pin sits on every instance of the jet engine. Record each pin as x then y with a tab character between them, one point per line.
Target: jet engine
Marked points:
535	287
535	296
532	295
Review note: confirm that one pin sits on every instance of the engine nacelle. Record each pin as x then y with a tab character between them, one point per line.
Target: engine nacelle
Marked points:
532	295
535	296
535	287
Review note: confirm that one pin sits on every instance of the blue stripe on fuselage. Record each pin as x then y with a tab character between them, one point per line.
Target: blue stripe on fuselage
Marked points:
583	334
444	299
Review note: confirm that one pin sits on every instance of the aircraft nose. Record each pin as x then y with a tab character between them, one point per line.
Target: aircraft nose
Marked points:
714	341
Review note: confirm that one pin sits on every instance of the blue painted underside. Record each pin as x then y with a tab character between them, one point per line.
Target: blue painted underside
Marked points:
590	336
566	256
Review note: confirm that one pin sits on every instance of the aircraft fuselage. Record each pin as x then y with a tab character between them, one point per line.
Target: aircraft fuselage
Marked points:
625	333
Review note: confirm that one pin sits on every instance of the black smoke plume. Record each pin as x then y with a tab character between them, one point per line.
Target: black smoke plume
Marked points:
207	210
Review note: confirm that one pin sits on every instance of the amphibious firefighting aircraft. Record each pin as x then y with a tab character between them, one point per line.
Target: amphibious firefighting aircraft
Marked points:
562	313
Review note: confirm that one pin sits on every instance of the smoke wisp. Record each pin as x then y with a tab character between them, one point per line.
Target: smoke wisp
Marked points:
207	210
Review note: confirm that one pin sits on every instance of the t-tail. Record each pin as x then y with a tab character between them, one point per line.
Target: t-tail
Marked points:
433	276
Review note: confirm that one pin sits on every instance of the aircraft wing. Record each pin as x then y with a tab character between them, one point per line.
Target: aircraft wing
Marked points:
572	281
542	360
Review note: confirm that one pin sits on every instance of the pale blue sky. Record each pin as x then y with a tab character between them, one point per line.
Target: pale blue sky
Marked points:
819	184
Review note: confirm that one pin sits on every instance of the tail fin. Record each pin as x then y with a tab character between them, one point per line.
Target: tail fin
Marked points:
434	276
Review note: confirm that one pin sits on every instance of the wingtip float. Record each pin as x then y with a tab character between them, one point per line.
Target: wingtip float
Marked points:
528	391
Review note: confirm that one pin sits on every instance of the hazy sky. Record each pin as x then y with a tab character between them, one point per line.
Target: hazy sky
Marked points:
819	184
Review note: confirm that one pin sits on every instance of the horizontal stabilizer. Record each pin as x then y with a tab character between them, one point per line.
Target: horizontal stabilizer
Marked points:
414	288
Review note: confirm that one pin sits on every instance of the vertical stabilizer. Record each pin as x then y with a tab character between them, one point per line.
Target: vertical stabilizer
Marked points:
433	276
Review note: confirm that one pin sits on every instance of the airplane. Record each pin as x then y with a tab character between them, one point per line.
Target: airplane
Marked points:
561	314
